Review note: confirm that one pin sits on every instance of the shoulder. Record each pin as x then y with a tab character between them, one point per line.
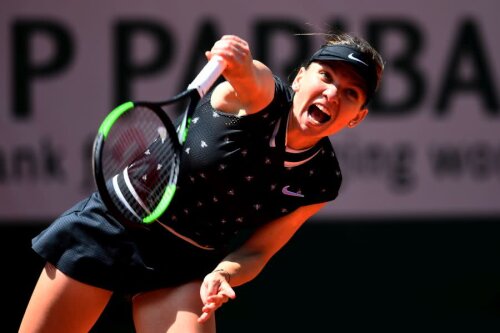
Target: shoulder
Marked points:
282	97
282	91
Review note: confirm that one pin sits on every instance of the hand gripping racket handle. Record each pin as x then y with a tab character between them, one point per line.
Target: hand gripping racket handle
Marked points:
208	75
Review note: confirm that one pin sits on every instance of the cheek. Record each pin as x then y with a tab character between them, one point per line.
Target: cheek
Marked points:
343	117
307	93
300	98
347	113
334	128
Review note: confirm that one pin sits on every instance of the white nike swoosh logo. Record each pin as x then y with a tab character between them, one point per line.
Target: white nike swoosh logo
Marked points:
350	56
290	193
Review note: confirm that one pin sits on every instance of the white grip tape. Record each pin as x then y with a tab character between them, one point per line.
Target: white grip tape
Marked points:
208	75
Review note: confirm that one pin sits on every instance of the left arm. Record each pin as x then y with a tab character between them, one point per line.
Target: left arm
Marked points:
244	264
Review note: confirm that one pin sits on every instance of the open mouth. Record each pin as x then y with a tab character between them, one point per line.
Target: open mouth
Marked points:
318	115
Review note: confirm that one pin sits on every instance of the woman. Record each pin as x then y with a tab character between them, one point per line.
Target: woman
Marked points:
257	165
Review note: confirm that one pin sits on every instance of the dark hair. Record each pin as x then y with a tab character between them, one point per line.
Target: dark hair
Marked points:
342	38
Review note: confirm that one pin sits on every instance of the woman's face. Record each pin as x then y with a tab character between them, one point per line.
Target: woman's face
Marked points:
328	97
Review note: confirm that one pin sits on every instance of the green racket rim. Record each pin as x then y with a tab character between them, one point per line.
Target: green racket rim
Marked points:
184	134
162	205
113	116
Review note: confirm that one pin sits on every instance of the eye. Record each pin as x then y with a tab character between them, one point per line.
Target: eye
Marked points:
352	94
325	76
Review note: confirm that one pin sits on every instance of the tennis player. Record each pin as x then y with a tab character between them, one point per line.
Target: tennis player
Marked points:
258	163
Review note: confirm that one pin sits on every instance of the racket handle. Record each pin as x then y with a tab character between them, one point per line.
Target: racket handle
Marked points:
208	75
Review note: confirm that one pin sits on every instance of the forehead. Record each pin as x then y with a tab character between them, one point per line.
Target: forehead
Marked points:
345	70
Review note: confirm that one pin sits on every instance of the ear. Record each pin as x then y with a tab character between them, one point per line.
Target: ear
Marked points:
298	78
358	118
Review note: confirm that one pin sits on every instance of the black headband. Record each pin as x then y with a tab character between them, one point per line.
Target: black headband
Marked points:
363	63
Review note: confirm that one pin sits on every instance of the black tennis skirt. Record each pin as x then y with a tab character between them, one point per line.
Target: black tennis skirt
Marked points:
91	246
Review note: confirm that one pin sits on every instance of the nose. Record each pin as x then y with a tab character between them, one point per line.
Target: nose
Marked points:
331	93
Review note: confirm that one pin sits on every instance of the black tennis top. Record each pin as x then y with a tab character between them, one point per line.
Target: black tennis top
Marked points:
236	174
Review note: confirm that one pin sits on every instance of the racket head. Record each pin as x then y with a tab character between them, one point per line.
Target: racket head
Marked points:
136	157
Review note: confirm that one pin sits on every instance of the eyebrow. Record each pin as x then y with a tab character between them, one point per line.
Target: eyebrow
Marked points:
353	77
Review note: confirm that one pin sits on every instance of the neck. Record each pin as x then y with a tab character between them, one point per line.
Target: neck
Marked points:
294	137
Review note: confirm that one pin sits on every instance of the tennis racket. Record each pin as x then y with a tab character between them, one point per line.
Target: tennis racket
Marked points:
137	149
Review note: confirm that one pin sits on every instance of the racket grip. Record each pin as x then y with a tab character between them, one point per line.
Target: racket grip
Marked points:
208	75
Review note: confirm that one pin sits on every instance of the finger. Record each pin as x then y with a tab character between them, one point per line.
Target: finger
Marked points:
235	40
210	307
220	295
227	291
204	317
216	300
230	48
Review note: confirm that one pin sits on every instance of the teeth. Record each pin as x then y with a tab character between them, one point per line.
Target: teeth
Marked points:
322	109
318	114
313	121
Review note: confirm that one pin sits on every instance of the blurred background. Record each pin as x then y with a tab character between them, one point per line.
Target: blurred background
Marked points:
411	244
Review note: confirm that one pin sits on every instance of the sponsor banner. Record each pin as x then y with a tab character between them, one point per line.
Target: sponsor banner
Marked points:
430	145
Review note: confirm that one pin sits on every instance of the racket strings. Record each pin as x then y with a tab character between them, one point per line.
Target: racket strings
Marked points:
141	162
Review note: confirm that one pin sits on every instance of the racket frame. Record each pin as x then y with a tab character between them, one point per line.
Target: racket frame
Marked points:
194	92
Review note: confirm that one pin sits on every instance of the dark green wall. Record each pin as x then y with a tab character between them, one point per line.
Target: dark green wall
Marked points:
427	275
